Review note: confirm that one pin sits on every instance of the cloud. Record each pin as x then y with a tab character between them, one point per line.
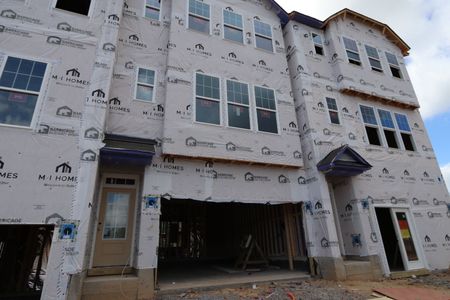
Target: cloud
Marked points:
423	24
446	173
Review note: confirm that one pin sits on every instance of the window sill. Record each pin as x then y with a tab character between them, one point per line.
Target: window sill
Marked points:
16	126
145	101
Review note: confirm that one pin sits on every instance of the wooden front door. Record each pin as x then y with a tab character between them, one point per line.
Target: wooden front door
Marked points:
115	228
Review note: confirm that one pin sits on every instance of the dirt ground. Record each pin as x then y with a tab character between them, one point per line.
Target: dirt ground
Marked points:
313	289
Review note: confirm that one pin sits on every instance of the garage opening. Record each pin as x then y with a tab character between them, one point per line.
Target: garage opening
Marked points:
218	243
24	251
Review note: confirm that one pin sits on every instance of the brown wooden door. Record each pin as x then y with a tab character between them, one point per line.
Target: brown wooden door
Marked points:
115	228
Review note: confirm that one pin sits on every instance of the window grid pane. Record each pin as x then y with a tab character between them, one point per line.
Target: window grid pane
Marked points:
386	118
199	24
154	3
146	76
372	52
262	28
237	92
391	59
207	86
233	34
199	8
152	13
331	103
317	39
265	98
264	43
238	116
368	115
233	19
23	74
267	121
402	122
350	45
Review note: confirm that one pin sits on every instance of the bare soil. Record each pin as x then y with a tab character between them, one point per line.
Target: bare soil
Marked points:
319	289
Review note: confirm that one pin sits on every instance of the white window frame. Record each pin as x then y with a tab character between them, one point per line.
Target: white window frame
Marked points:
375	69
249	106
233	27
266	109
153	7
188	13
136	83
263	36
318	45
89	15
377	127
337	111
40	94
194	105
346	53
405	132
393	65
383	128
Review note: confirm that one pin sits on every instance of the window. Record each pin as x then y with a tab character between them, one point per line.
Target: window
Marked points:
207	99
198	16
232	26
405	131
266	110
263	36
333	111
374	58
352	51
388	128
20	84
393	65
371	123
152	9
238	105
145	84
79	7
318	44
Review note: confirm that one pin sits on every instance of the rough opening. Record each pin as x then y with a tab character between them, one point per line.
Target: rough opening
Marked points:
407	142
24	251
372	134
79	7
390	243
201	240
396	72
319	49
391	139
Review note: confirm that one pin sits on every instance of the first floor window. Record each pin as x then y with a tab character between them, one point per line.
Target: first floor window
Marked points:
207	99
266	111
79	7
352	51
333	111
238	104
145	84
152	9
263	35
198	16
20	85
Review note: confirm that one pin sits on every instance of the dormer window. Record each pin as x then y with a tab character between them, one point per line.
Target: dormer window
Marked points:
263	35
318	44
393	65
352	51
79	7
374	59
199	13
233	26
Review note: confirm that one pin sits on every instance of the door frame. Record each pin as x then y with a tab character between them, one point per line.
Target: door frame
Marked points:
413	229
103	184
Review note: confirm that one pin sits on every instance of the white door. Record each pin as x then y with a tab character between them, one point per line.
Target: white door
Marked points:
407	239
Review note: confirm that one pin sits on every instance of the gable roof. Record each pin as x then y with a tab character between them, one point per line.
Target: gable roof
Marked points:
348	13
343	161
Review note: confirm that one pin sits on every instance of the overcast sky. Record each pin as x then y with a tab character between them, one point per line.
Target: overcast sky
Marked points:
425	26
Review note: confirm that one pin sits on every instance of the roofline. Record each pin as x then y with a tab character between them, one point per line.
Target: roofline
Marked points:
384	28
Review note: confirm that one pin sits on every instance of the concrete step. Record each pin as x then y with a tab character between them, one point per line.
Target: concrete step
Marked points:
358	270
110	287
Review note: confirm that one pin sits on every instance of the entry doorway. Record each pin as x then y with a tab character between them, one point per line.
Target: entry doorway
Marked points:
202	241
399	239
115	226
